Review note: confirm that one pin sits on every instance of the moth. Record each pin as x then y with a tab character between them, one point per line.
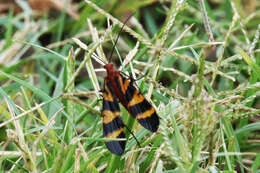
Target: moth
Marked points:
118	88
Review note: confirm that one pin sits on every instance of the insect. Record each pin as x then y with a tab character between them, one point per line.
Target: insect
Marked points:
119	88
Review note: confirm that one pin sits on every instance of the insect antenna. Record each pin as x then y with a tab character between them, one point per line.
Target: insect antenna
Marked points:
133	136
113	48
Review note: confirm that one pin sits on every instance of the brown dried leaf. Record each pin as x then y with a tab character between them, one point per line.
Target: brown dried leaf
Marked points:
42	6
60	5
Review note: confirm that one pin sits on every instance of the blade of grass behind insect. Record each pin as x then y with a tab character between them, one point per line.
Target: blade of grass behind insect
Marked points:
69	158
199	85
11	89
61	22
196	129
5	95
229	133
195	167
49	74
209	88
248	128
254	77
20	140
256	164
22	62
82	115
149	22
67	76
149	159
160	167
196	132
114	163
39	128
36	91
45	83
18	165
231	149
189	41
93	76
87	62
58	90
180	142
139	136
87	167
157	96
60	163
95	38
92	159
59	56
9	29
130	121
28	106
250	62
82	20
228	165
4	112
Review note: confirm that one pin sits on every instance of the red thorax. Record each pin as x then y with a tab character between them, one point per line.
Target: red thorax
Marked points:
111	75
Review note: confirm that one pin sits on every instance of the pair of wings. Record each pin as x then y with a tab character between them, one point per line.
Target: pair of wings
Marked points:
120	89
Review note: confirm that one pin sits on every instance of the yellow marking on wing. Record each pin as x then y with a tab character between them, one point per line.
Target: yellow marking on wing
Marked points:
125	85
108	96
120	79
137	98
109	116
146	114
115	134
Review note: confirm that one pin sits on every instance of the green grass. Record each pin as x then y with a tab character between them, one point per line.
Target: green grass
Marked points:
201	66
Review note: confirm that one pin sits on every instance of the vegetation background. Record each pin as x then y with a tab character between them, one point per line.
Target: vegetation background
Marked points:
201	66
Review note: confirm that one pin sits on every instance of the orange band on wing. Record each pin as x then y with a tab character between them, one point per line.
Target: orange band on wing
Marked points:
109	116
125	86
108	96
146	114
115	134
137	98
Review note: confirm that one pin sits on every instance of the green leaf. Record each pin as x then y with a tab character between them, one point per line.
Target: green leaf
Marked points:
256	164
248	128
250	62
